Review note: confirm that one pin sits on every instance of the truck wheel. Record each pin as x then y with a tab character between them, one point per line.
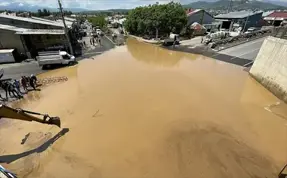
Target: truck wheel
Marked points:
71	63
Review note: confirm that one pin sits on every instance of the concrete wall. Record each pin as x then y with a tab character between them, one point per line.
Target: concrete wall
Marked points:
270	66
9	40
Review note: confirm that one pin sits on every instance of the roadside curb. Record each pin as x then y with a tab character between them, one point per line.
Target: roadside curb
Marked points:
146	41
240	43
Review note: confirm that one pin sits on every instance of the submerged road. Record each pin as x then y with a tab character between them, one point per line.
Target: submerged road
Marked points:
247	50
140	111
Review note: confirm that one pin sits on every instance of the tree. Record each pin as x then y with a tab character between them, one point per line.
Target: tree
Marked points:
156	20
98	21
39	14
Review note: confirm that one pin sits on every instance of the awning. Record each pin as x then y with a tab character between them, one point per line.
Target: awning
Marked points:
41	32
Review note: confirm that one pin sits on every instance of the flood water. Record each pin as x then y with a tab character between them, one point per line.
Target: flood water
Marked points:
139	111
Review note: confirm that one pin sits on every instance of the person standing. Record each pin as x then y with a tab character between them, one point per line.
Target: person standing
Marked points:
100	41
12	89
4	86
17	86
24	83
32	81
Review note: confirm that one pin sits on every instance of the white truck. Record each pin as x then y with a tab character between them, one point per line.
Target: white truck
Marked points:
7	56
49	58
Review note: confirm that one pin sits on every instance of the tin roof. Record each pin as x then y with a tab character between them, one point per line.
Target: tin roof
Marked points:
237	14
41	32
32	20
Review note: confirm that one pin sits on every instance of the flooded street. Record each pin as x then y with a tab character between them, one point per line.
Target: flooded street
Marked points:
139	111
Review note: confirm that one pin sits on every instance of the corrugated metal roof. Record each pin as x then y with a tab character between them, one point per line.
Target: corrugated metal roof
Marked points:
32	20
237	14
25	31
41	32
11	28
278	15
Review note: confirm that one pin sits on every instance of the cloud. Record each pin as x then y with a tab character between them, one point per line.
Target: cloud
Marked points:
96	4
20	4
4	3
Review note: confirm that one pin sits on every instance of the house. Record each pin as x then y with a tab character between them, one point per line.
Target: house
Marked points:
239	19
200	16
276	18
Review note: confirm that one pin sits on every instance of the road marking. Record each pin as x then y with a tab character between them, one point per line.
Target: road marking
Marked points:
110	39
245	53
235	48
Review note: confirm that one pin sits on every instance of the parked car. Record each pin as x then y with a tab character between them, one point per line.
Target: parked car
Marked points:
99	32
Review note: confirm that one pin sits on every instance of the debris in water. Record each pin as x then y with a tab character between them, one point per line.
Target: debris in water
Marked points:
52	80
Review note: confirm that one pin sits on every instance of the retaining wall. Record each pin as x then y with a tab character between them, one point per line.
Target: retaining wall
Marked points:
270	66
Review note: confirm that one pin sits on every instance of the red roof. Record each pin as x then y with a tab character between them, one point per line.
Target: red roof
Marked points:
278	15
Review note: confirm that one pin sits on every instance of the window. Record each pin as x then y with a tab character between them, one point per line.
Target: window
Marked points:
66	56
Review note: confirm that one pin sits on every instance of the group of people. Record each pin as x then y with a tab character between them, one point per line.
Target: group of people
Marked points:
13	87
95	39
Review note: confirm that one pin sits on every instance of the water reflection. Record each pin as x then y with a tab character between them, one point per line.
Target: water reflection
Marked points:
155	55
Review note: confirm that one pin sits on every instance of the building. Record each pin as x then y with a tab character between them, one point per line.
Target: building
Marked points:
33	34
200	16
276	18
240	19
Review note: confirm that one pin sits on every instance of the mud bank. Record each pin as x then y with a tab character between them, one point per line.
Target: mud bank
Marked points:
143	111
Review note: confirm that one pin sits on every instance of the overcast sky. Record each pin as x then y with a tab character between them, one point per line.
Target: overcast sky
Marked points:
92	4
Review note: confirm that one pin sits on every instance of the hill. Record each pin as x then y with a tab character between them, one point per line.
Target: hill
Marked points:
16	6
237	5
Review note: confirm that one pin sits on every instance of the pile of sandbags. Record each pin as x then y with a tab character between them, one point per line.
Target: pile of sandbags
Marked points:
52	80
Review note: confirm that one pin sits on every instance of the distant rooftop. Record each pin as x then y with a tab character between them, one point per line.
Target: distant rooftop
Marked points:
267	13
192	11
282	14
70	19
237	14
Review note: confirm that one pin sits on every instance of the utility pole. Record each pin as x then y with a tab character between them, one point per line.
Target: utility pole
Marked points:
66	29
230	6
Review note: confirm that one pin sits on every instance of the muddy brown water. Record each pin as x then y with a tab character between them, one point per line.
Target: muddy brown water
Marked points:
140	111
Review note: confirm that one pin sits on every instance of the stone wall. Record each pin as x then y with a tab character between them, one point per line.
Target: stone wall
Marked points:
270	66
